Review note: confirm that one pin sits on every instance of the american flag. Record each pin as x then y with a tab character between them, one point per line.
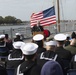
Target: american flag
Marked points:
46	17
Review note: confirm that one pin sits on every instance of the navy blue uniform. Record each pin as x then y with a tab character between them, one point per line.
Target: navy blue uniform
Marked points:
28	68
14	59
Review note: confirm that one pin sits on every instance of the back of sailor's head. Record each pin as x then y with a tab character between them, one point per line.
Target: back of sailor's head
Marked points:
17	34
2	36
38	39
29	48
60	37
50	45
18	44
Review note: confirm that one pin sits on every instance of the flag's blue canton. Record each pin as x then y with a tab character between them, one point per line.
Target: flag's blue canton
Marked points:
49	12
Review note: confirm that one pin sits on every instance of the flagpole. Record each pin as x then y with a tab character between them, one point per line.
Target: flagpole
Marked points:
58	26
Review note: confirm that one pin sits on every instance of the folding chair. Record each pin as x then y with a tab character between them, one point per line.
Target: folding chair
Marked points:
71	72
10	71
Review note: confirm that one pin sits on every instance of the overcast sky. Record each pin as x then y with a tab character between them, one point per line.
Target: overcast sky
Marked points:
23	9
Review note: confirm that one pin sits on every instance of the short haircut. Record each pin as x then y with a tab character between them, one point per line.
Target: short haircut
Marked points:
30	57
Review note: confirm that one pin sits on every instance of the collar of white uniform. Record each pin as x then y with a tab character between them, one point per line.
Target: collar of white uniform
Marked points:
42	57
9	58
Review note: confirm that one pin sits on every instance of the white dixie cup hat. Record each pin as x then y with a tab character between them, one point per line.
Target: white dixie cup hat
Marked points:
29	48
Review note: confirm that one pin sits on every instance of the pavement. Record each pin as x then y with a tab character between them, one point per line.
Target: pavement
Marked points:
26	40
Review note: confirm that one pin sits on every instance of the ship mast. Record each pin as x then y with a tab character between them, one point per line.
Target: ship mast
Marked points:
58	10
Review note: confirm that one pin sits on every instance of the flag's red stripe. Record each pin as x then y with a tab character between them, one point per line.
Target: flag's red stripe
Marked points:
47	21
37	15
44	21
51	17
49	24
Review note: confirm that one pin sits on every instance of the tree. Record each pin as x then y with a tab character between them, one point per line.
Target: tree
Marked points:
18	21
10	20
1	20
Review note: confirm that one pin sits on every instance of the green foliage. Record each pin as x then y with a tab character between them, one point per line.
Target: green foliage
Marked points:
18	21
1	19
9	20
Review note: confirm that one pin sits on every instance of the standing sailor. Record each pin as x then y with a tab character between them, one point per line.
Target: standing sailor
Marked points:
29	66
3	47
49	55
18	37
16	57
38	39
65	55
